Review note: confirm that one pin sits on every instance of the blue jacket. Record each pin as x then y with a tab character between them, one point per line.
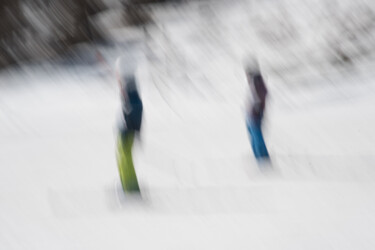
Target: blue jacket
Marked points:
132	110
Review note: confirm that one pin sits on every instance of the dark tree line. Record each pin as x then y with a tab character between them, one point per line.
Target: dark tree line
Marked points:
37	29
66	21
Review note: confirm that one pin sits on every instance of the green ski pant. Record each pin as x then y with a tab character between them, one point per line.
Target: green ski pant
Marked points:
125	162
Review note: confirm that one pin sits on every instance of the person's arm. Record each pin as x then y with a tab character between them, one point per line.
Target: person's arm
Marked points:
260	88
259	93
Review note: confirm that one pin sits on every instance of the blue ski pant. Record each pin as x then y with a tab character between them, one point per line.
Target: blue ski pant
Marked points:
256	137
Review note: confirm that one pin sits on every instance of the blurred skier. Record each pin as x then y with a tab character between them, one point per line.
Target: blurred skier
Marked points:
256	110
130	125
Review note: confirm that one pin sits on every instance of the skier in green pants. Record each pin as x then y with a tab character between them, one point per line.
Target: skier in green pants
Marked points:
132	109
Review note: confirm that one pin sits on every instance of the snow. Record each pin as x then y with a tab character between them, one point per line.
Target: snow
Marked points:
59	185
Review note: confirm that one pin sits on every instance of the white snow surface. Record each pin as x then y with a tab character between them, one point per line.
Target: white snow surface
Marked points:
59	183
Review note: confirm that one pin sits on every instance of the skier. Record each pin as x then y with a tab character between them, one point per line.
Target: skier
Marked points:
256	110
130	125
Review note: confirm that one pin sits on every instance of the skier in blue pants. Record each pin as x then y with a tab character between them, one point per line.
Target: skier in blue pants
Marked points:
256	111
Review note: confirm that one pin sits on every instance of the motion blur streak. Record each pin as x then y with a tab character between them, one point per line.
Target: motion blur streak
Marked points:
257	124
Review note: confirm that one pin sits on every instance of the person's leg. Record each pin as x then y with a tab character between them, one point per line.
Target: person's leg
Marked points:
257	140
252	136
263	152
125	162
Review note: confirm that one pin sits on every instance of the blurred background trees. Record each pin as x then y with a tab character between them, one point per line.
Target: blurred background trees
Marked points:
40	29
335	32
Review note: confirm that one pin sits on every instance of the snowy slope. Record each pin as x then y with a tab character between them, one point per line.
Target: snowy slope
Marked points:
203	190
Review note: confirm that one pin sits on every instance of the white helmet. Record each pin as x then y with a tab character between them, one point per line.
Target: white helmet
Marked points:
125	73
